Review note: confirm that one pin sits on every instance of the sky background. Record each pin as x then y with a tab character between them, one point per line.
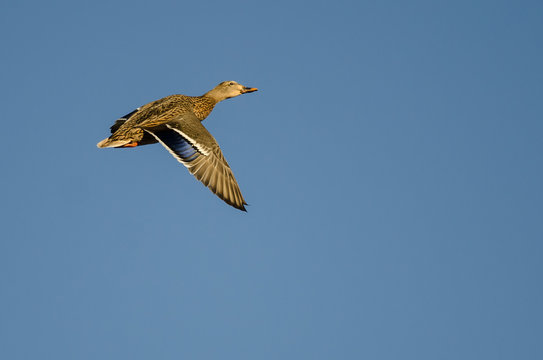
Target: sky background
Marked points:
391	159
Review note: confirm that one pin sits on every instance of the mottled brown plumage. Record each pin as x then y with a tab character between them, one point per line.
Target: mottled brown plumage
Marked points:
175	122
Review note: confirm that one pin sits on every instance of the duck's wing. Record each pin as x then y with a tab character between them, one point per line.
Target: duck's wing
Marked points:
192	145
122	120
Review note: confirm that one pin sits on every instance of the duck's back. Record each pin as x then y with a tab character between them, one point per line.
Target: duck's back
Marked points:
163	110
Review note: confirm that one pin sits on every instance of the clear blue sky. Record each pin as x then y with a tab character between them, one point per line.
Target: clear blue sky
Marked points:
391	160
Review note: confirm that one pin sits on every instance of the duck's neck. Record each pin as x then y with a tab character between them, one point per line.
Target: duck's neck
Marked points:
214	94
203	105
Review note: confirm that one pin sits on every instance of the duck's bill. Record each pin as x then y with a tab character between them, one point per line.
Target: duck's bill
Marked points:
248	90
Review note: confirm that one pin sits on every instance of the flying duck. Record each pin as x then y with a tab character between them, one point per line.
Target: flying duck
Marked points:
175	123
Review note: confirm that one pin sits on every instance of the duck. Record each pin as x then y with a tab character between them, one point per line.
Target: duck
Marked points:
175	122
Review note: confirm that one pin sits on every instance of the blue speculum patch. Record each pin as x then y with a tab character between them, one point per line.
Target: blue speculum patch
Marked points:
178	145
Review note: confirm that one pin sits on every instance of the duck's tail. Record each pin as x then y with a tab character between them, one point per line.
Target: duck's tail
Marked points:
113	143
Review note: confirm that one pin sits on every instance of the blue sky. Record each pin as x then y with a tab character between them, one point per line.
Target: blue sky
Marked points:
391	159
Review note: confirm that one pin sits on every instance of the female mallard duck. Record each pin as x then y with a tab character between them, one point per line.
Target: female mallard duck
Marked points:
175	122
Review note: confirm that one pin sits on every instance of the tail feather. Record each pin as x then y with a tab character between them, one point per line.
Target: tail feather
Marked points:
128	136
107	143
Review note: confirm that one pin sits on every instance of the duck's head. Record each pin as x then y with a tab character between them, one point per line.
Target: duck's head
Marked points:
227	90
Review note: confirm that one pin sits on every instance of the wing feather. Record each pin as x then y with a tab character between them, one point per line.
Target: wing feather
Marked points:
193	146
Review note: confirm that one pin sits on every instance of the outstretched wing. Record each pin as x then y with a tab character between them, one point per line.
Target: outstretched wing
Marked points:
193	146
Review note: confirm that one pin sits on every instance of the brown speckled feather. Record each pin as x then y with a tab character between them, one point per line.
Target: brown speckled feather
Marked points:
160	112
